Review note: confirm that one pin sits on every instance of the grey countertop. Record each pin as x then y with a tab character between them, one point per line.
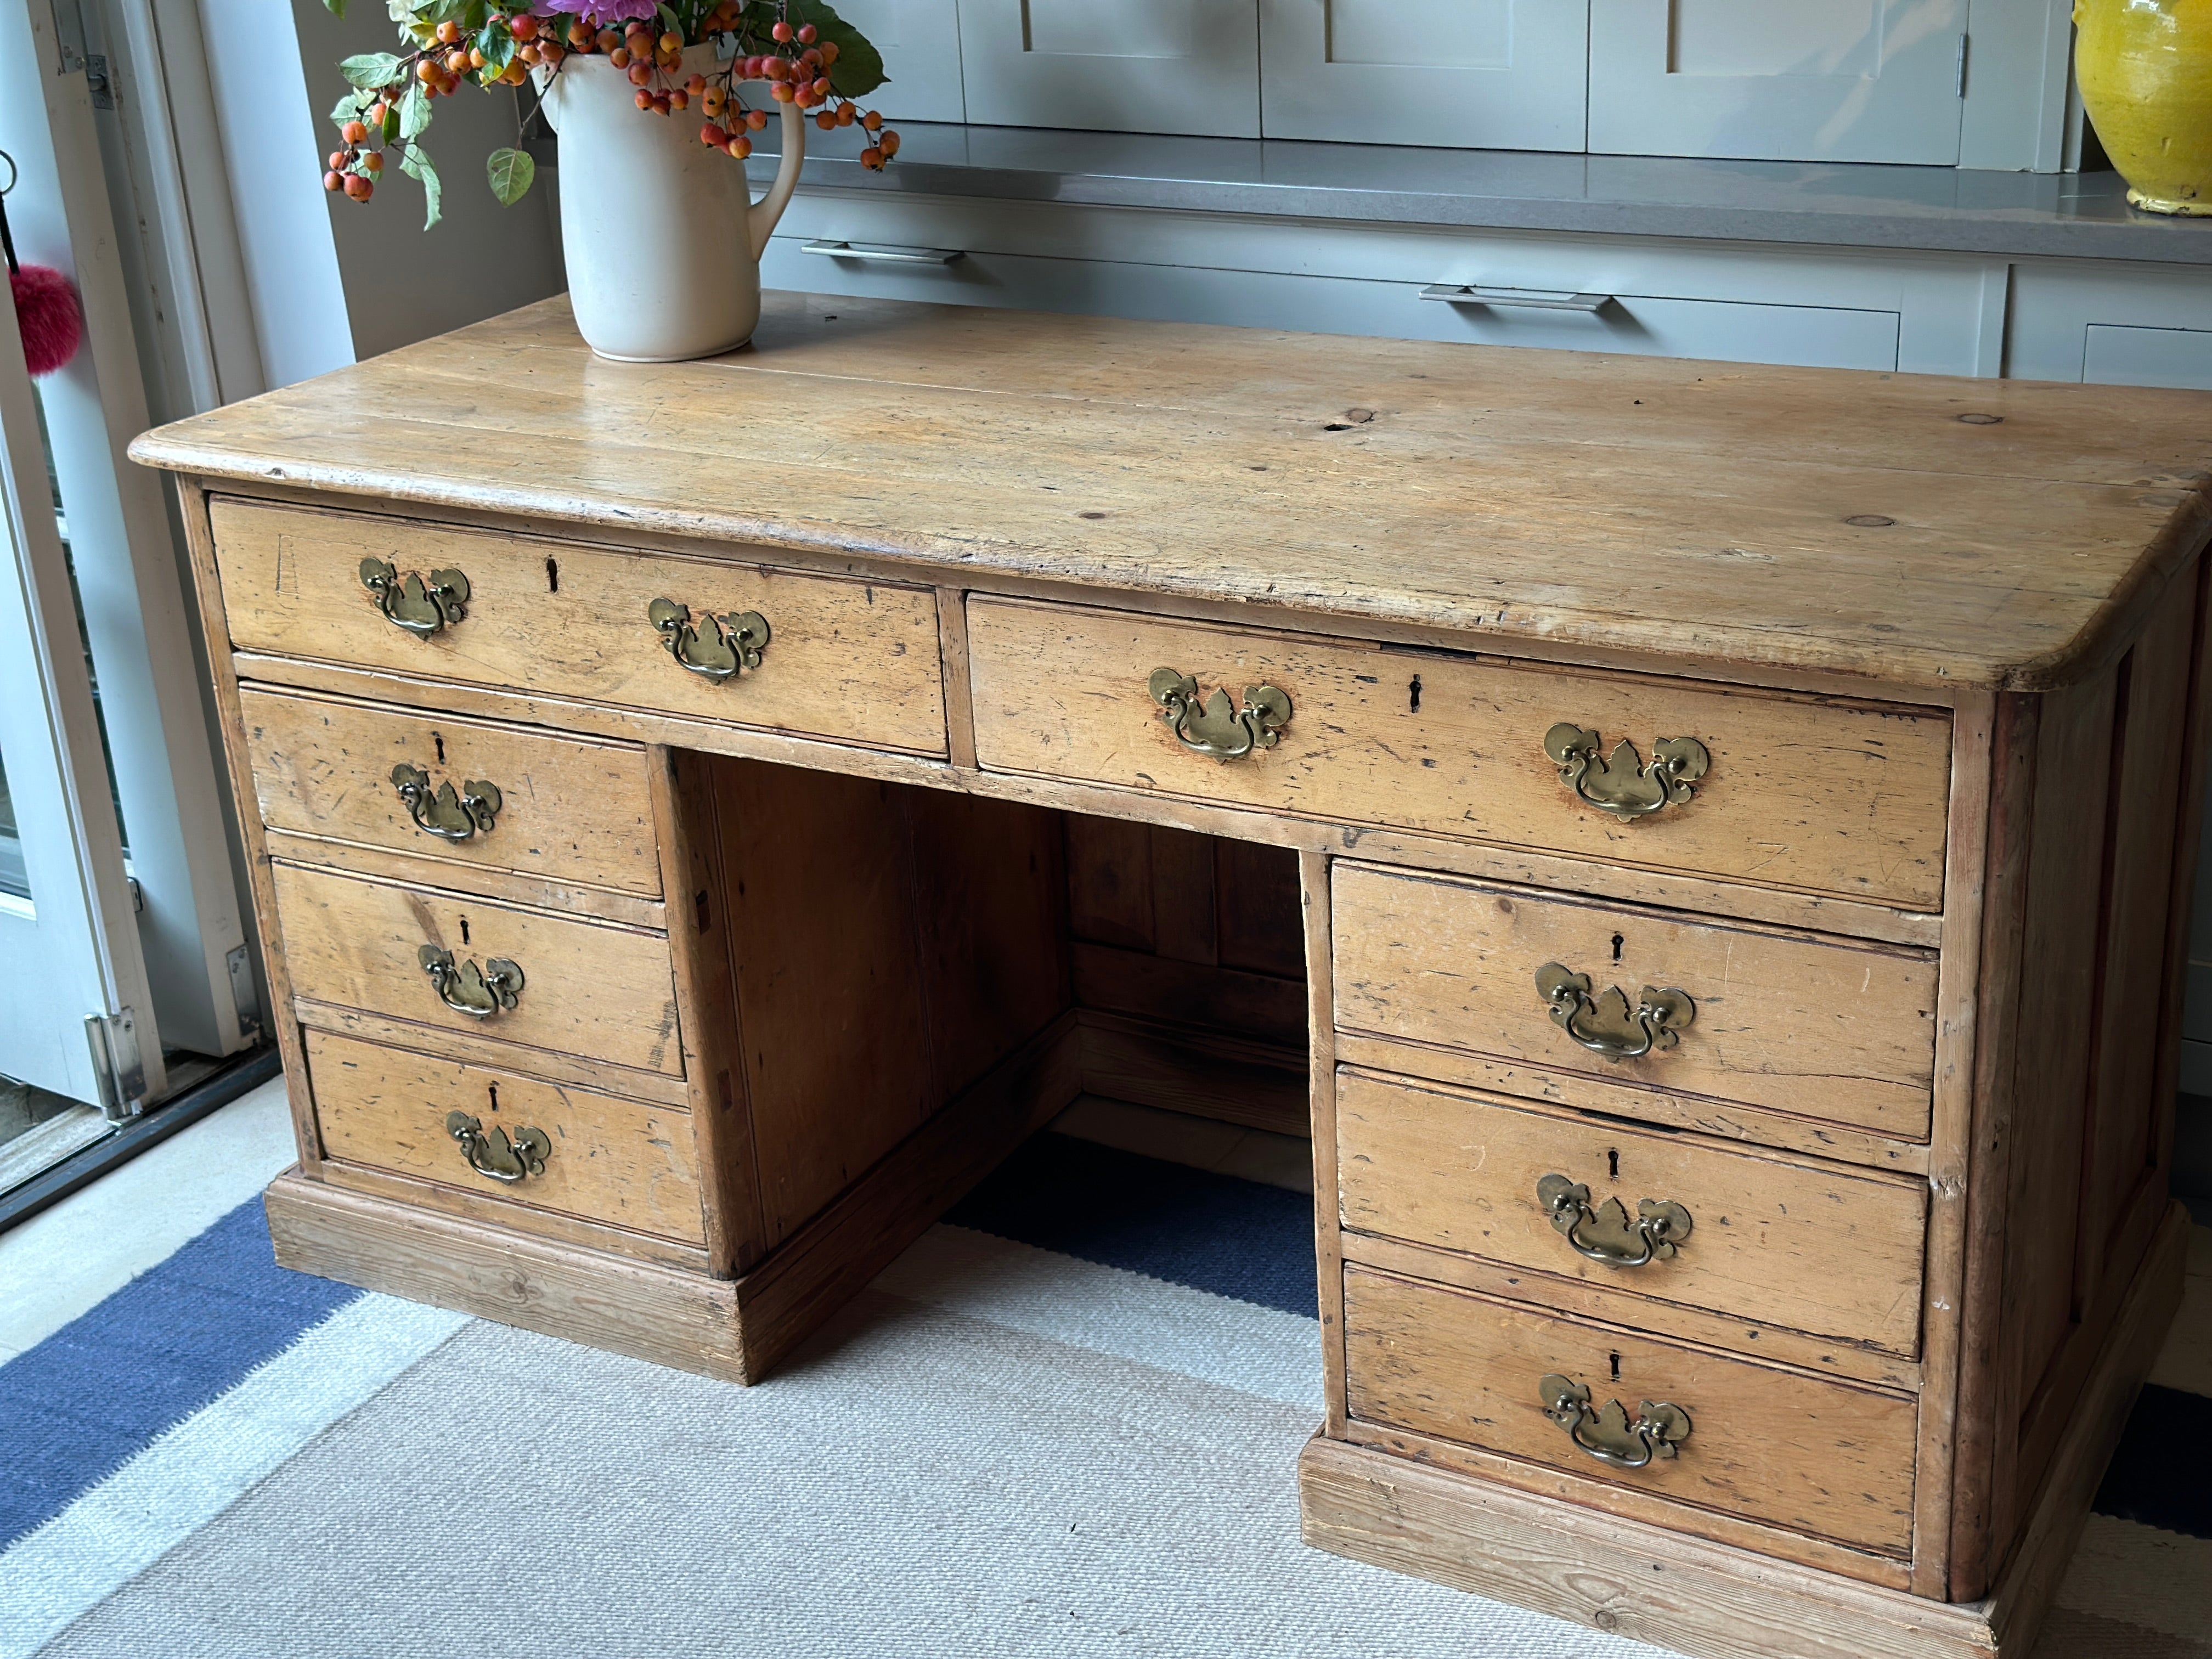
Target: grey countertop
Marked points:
2080	215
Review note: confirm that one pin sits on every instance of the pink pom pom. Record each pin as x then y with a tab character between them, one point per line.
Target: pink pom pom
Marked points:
46	311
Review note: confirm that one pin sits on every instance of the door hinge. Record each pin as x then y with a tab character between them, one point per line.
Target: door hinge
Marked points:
122	1074
243	997
1961	91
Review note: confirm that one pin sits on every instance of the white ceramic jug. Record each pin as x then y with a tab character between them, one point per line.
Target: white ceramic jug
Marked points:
659	233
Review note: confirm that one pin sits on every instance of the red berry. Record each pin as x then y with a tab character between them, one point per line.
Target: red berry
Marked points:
711	134
781	31
332	181
644	98
806	34
872	159
739	148
358	188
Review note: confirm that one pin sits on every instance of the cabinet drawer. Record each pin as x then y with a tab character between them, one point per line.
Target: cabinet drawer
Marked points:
1750	1235
1820	795
602	1159
1791	1022
847	659
565	809
590	988
1768	1445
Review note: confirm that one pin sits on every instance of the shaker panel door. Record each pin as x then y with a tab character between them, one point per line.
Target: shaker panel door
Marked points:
1780	80
1184	66
1470	74
920	40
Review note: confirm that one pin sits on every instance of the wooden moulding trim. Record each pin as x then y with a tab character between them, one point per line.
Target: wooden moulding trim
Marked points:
654	1088
835	1254
644	1309
1958	989
1677	1519
1962	1422
199	539
494	1212
1624	1577
1671	1322
1732	1125
1782	907
473	881
952	657
888	566
1316	912
2117	622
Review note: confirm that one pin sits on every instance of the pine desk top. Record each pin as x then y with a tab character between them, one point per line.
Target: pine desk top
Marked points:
1828	521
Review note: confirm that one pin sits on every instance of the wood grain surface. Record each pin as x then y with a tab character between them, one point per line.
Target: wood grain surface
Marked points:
616	1161
1824	796
1820	1248
850	660
1803	1453
589	988
1818	1028
571	810
1542	498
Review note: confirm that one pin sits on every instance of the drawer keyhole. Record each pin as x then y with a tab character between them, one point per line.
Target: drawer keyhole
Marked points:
1616	1368
1618	941
465	930
1413	696
552	576
1612	1163
493	1090
439	743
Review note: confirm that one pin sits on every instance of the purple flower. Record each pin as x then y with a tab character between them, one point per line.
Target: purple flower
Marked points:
607	11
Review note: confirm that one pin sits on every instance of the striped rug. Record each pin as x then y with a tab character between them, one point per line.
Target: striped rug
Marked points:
1064	1422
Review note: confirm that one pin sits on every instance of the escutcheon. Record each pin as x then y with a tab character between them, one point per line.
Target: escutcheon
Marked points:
1215	726
494	1154
479	993
1607	1433
1604	1023
1659	1226
422	607
446	812
716	650
1620	784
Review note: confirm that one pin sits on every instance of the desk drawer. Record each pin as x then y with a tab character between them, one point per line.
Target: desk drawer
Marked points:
590	988
1768	1445
1802	793
1792	1023
603	1158
845	660
1747	1234
564	809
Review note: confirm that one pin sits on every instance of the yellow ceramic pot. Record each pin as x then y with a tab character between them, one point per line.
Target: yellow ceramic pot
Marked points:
2145	69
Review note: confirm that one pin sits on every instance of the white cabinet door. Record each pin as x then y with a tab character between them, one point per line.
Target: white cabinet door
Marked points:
920	40
1187	66
1470	74
1780	80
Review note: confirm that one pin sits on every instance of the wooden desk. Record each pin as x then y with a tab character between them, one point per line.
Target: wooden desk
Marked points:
703	815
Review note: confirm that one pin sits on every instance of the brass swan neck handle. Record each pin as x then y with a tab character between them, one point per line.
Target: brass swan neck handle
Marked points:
1619	784
1215	726
1606	1432
1657	1232
1605	1023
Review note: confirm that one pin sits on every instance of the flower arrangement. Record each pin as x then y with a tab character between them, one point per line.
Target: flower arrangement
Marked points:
801	49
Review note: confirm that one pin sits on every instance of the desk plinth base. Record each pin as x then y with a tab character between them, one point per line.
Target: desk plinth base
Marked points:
1710	1599
737	1329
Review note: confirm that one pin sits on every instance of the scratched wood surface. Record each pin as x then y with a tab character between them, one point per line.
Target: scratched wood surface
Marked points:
1821	519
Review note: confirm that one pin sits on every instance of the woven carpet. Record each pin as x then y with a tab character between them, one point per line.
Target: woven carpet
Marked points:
1064	1422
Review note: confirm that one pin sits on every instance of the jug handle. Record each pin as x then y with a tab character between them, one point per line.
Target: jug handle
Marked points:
761	218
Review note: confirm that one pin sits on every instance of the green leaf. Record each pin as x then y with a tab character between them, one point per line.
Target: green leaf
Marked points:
669	20
371	70
497	47
511	172
859	70
346	109
414	113
336	8
416	166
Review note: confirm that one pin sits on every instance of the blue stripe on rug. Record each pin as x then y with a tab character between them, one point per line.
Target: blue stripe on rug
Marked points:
83	1402
1212	1232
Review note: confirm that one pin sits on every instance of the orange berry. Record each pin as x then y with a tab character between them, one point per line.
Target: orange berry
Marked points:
826	120
644	98
608	40
711	134
781	92
781	31
336	160
373	161
873	120
695	85
551	54
359	188
333	181
822	88
426	71
672	41
639	74
677	99
476	58
739	148
872	159
449	32
377	112
619	57
829	52
755	119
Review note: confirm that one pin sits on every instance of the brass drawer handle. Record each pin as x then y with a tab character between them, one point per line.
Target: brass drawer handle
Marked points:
479	993
1607	1433
421	607
1604	1023
716	651
493	1154
1214	728
1618	784
1660	1225
448	814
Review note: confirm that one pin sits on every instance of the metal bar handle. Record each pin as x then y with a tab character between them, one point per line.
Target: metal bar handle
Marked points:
885	253
1530	299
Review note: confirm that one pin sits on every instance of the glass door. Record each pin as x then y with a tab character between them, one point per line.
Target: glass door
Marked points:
79	1046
